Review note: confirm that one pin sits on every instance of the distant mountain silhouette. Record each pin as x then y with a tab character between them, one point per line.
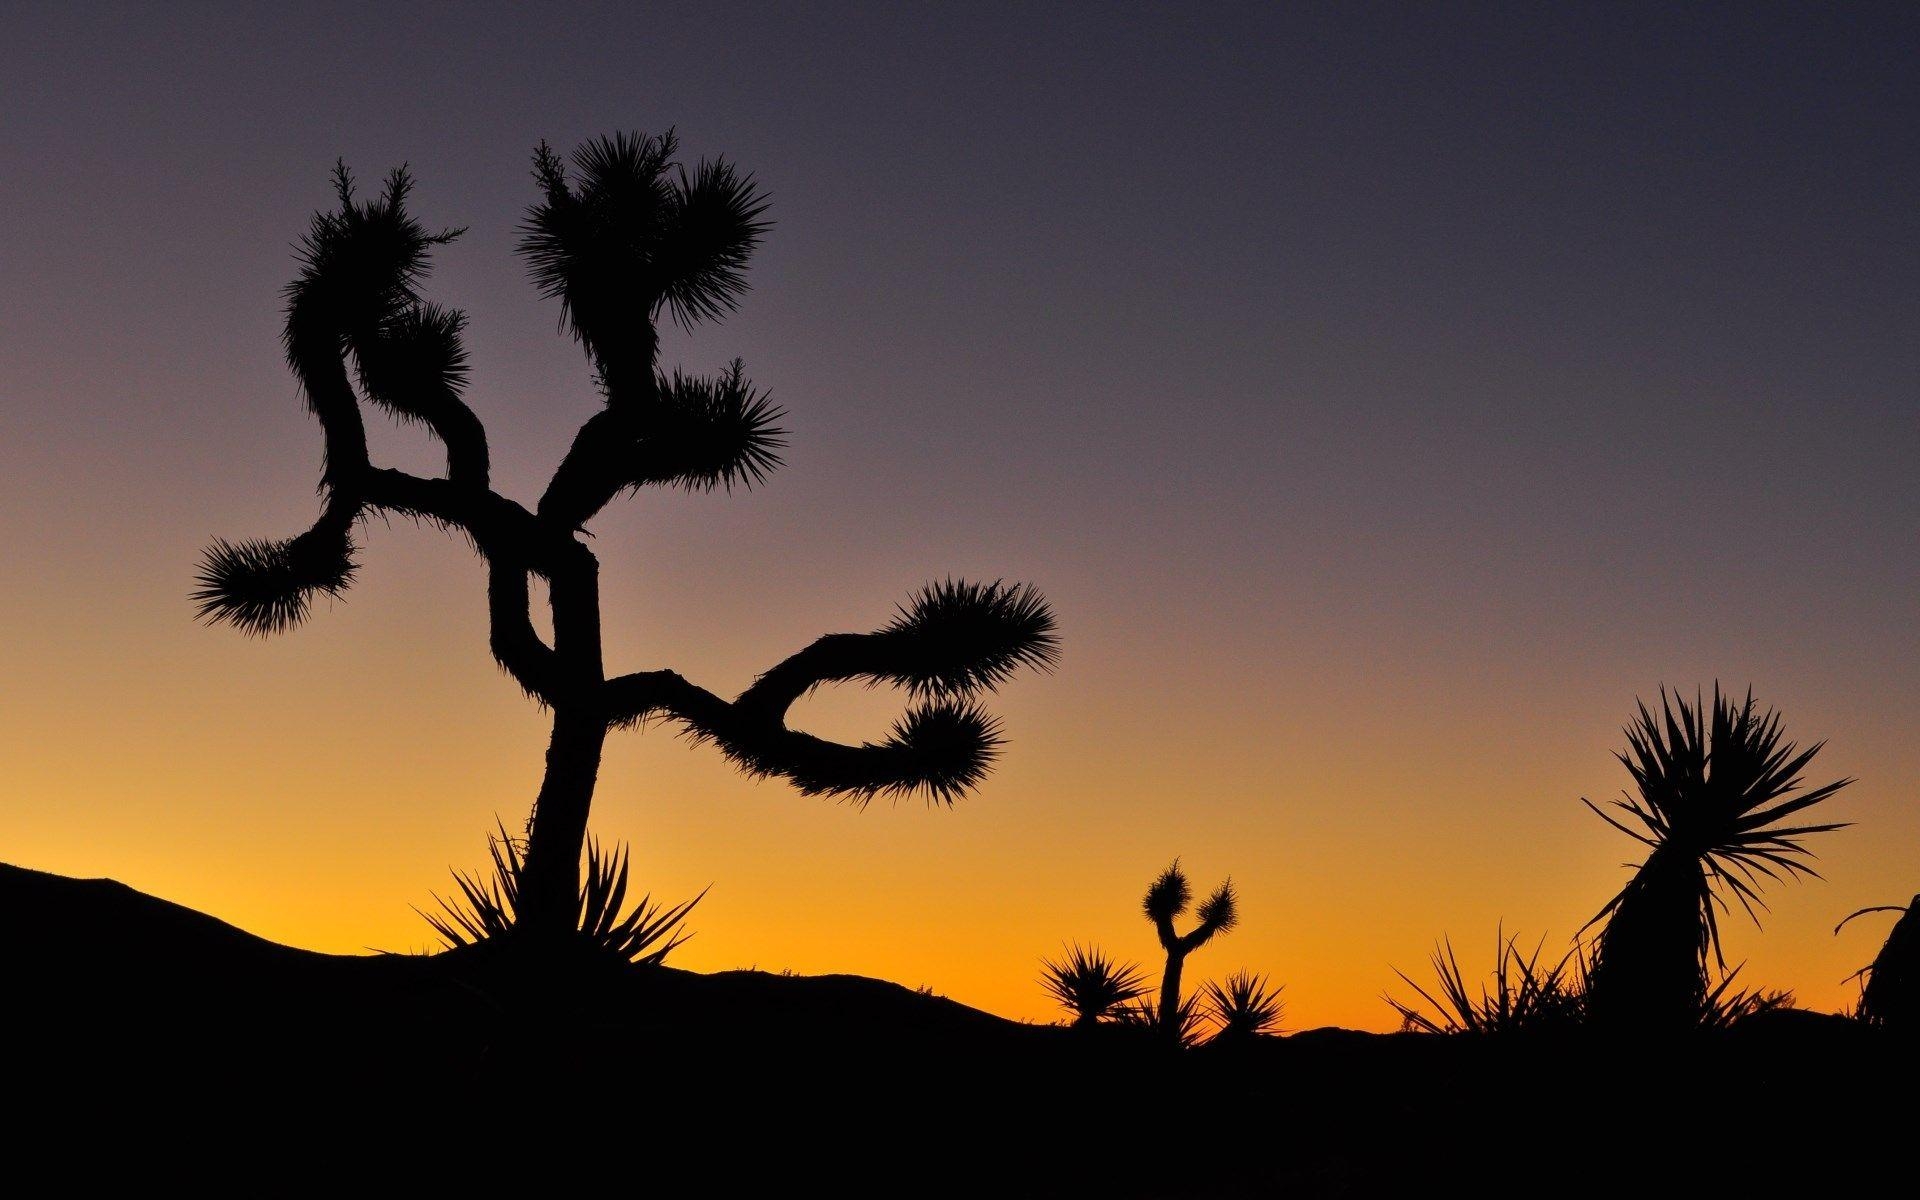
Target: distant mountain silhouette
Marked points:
123	1010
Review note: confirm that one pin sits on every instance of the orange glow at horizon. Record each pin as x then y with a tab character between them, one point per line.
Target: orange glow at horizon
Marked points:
314	787
1384	398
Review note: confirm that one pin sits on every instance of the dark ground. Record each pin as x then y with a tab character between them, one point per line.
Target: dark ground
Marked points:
134	1023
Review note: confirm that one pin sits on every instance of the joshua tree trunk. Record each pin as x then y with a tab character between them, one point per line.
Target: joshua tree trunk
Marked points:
550	880
1170	992
1649	968
557	827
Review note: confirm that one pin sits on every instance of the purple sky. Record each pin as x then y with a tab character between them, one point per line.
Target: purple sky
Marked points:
1340	368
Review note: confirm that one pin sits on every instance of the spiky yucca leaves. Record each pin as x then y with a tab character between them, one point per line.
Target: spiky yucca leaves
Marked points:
1890	993
360	266
1182	1031
950	641
940	751
1243	1008
1713	790
1167	898
413	360
632	233
709	433
1090	985
1524	995
266	587
1724	1005
487	907
955	638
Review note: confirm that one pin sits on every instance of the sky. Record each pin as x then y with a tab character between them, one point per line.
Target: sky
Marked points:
1385	397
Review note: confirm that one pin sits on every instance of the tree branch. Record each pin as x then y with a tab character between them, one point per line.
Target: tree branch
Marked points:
515	643
941	749
594	470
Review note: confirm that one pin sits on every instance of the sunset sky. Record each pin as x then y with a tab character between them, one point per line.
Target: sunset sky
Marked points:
1384	396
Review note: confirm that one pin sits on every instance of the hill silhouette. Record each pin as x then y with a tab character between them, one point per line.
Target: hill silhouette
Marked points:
774	1081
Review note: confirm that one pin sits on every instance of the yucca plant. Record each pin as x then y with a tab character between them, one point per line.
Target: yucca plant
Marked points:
1143	1014
1714	794
1725	1006
1890	988
1524	995
622	236
1090	985
1166	899
1243	1008
487	908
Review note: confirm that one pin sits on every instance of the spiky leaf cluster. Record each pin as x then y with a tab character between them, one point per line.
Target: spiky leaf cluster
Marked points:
1091	985
954	638
709	432
359	267
631	233
1714	786
413	360
1524	995
941	750
265	587
1183	1029
487	906
1168	897
1242	1008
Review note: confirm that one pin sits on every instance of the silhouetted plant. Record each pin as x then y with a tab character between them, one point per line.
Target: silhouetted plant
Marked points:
1167	898
1090	985
1524	995
624	237
487	908
1243	1008
1713	789
1143	1014
1725	1006
1890	988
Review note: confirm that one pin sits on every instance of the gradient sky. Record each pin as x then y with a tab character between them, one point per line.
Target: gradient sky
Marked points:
1385	396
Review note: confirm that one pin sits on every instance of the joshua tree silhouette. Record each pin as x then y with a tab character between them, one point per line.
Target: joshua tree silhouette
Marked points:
627	235
1166	899
1713	789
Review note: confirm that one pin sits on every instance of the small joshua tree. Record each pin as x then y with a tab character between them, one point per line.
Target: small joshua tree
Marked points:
1166	899
628	235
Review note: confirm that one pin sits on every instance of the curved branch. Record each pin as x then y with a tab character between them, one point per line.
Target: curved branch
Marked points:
515	643
514	544
942	749
359	265
494	522
694	432
415	367
594	469
265	587
953	640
